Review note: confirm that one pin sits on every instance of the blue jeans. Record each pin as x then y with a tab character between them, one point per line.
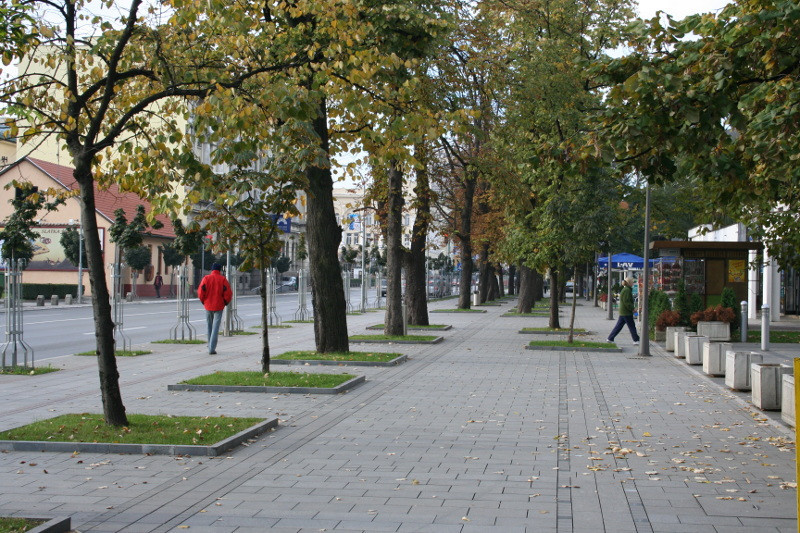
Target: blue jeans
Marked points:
628	319
214	318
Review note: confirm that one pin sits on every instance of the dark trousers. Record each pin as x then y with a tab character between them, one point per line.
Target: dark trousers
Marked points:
628	319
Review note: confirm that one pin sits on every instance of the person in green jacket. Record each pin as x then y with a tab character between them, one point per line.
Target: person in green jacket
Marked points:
625	311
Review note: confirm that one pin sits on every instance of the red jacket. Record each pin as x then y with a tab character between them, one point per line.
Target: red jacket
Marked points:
214	291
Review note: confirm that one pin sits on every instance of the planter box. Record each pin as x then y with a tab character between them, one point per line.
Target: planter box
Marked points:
694	349
671	336
787	400
660	335
716	331
737	368
714	357
680	343
767	383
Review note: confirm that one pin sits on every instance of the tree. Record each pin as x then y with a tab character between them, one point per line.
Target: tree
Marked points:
129	237
282	264
718	108
73	249
173	258
125	88
17	235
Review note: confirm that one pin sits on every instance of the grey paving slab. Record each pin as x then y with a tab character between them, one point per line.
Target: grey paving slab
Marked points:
473	434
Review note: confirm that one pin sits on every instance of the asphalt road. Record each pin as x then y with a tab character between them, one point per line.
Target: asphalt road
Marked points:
64	330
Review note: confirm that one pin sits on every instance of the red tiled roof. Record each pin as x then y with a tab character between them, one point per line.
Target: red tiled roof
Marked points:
108	200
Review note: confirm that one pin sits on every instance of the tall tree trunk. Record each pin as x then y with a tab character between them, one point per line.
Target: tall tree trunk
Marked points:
500	284
113	408
416	288
538	286
554	297
494	287
324	236
464	237
484	272
394	252
264	321
512	279
526	290
574	302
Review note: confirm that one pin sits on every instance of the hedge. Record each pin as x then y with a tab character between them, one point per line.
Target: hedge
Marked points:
31	290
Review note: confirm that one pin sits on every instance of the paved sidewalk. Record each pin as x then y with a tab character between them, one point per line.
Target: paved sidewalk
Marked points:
472	434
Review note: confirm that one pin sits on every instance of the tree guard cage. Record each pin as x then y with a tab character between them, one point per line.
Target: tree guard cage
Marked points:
15	341
183	327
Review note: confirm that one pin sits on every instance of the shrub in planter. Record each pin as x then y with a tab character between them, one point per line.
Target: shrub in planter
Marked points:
714	314
681	304
658	302
729	300
668	319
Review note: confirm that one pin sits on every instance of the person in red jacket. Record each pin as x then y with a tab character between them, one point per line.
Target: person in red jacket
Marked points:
215	293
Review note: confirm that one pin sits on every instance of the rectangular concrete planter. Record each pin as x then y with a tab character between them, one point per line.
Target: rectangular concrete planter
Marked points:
694	349
737	368
660	335
716	331
680	343
671	336
787	400
767	383
714	357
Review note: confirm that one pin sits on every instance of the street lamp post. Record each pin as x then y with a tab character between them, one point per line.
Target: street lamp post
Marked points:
644	346
363	255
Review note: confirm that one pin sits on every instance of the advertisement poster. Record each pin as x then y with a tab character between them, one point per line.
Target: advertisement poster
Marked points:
48	254
737	271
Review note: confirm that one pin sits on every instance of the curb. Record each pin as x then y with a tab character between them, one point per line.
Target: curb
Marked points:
148	449
459	311
323	362
376	341
349	384
59	524
581	333
415	328
568	349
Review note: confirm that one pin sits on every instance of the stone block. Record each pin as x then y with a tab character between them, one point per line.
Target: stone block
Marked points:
737	368
671	336
767	383
787	400
694	349
714	357
54	299
68	299
715	331
40	300
680	343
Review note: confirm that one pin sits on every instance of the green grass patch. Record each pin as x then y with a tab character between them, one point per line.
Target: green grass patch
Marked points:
178	341
18	525
559	330
299	321
273	379
393	337
575	344
244	333
339	356
121	353
141	429
27	371
415	326
774	336
274	327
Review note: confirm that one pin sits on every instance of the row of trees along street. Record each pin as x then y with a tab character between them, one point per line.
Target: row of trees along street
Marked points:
527	144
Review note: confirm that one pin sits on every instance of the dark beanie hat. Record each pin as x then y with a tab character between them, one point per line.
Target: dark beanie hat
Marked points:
216	266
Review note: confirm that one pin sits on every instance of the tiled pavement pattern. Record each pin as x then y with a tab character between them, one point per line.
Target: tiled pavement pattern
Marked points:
473	434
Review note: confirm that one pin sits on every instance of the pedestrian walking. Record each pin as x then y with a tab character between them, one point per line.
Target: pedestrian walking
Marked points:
625	311
157	283
214	293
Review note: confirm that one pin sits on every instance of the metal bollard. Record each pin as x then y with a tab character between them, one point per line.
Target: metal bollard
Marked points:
743	323
764	327
404	309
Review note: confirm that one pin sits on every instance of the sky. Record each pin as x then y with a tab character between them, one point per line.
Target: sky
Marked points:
679	8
